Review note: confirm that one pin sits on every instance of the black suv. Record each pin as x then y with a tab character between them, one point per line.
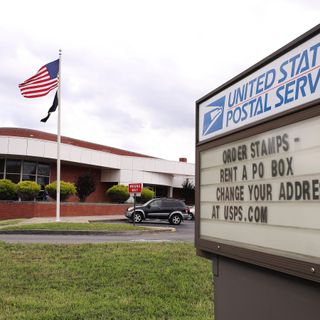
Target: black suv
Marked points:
160	208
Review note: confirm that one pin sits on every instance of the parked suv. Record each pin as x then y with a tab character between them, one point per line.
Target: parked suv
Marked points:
160	208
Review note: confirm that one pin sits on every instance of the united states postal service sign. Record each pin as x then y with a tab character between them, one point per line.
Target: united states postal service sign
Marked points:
258	163
285	83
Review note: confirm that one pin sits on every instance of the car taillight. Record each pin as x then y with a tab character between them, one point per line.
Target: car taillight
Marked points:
186	210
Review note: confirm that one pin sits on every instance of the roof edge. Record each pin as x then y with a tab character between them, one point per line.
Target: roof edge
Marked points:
36	134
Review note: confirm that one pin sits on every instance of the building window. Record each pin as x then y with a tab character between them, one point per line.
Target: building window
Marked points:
29	170
13	166
13	170
43	169
29	167
17	170
43	174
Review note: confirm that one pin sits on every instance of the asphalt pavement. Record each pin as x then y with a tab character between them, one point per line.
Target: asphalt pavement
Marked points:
182	232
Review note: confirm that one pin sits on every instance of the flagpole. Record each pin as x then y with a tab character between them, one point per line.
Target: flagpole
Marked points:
58	142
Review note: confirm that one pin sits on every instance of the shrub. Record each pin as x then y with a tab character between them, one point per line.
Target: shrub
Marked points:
146	195
66	190
118	193
85	186
188	191
28	190
8	190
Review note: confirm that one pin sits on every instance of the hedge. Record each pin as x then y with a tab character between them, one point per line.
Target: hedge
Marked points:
28	190
8	190
66	190
118	193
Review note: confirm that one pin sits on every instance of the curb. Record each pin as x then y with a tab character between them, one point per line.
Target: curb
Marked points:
91	233
108	220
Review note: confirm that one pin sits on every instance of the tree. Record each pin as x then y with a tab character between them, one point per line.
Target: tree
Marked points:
85	185
188	191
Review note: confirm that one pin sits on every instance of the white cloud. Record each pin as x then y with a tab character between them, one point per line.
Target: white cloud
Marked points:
132	70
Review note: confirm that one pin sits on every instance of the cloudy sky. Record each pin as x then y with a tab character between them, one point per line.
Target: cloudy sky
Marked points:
132	70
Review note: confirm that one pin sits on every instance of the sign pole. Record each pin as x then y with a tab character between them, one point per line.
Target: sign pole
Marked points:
134	190
134	208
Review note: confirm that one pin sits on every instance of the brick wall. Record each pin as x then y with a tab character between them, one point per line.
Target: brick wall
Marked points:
70	173
16	209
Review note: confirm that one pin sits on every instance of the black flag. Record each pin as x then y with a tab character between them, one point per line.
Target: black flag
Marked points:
52	109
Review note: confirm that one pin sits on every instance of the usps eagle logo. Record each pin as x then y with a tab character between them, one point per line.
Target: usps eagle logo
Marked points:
213	119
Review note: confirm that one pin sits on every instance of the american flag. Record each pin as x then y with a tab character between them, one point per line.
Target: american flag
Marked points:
45	80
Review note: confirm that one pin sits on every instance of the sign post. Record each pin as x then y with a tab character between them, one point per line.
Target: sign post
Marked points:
135	190
258	186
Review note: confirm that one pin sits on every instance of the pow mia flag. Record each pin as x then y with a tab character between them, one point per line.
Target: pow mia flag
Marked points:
52	109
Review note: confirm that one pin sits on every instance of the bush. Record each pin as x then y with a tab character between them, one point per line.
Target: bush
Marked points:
28	190
118	193
8	190
66	190
146	195
188	191
85	186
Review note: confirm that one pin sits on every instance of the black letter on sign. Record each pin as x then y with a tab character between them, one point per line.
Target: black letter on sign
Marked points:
244	173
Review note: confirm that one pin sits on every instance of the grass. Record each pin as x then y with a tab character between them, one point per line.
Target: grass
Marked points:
67	226
106	281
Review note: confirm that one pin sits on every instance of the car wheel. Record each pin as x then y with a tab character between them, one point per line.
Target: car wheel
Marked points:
190	216
175	219
137	217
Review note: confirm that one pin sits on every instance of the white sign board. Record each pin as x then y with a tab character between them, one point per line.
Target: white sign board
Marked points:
289	81
264	191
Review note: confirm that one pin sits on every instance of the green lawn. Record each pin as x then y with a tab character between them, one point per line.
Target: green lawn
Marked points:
104	281
65	226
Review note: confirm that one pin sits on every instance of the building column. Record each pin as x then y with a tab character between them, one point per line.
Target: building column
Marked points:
170	192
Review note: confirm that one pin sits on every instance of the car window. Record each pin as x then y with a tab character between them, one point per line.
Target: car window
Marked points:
148	202
155	203
167	203
179	203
